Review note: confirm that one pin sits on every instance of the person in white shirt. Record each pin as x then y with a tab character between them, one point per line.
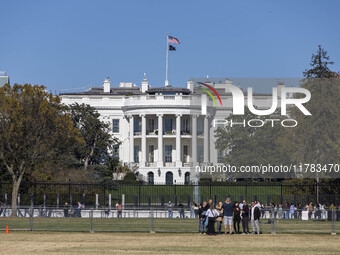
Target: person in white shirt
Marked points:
212	213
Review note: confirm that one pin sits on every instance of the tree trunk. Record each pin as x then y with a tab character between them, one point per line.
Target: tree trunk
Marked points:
16	185
86	163
87	159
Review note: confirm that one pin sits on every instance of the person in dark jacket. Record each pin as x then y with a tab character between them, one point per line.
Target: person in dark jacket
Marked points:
202	217
237	218
255	216
181	210
245	218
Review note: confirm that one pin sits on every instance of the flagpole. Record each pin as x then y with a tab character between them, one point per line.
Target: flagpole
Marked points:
167	59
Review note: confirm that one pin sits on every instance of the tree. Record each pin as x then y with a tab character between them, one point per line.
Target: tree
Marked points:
34	127
316	138
96	134
113	166
246	145
319	64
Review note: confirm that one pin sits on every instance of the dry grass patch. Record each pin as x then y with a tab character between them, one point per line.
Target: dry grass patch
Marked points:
145	243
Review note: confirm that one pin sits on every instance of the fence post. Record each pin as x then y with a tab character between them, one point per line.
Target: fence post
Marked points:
333	222
96	201
32	200
151	222
19	201
272	221
35	191
139	193
91	220
110	202
104	194
69	190
44	201
281	194
84	199
31	218
162	200
136	200
57	201
6	199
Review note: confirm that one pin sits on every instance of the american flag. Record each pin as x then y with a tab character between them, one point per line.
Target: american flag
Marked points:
173	40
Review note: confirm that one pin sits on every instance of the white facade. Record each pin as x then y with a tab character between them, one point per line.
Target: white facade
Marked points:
164	132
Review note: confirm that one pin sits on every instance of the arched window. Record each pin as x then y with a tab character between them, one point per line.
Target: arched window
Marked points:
169	178
187	178
150	178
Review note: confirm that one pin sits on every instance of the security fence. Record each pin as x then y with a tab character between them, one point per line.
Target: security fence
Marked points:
139	195
157	220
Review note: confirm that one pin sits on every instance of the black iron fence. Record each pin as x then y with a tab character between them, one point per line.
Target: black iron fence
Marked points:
139	195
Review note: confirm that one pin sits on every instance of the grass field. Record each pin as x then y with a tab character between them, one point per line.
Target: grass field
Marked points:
145	243
159	225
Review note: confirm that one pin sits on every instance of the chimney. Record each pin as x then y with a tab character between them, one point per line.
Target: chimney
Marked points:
280	85
107	85
145	84
190	86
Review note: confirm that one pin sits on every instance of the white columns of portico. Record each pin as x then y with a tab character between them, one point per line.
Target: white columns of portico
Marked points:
206	139
160	141
143	159
194	140
132	145
178	140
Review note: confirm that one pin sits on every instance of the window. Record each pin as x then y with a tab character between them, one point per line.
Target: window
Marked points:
136	154
200	154
168	153
200	126
136	125
168	125
185	154
187	178
151	154
169	178
186	128
151	125
150	178
115	151
115	125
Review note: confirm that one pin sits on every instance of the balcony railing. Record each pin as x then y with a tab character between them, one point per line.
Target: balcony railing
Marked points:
148	164
187	164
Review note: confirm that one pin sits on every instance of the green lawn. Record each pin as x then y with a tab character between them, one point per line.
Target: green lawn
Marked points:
159	225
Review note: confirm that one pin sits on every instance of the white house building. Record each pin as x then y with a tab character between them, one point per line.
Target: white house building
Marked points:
164	131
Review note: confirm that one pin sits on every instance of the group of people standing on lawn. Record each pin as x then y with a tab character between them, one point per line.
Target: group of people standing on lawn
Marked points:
230	215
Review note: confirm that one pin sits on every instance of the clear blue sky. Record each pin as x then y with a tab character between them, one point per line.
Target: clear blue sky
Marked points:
72	44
